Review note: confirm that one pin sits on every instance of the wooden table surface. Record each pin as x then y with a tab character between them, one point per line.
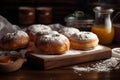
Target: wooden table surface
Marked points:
62	73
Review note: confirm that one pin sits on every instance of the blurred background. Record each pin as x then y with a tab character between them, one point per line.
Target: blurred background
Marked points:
60	8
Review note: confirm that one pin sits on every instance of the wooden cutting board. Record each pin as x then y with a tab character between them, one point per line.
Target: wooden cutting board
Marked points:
69	58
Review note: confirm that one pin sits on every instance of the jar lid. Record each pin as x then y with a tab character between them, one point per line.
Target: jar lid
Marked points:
44	8
103	10
26	8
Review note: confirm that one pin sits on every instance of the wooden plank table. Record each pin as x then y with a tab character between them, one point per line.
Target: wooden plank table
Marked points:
68	58
62	73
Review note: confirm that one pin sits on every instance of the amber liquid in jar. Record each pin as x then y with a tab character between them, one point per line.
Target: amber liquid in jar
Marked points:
105	35
103	25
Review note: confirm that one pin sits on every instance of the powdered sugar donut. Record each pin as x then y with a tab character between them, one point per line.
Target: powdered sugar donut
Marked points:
54	43
83	40
68	31
32	47
13	41
56	27
41	33
34	29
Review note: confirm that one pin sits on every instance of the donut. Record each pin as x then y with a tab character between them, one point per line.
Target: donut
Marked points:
68	31
32	47
13	41
83	40
41	33
53	43
34	29
56	27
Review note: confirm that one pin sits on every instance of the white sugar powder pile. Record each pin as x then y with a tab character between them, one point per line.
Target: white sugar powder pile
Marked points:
102	66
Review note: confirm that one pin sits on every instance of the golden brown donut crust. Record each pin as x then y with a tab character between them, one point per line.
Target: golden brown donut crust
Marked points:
56	44
84	45
13	41
83	40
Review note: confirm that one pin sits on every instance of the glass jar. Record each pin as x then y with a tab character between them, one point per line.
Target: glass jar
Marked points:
103	25
44	15
26	15
79	20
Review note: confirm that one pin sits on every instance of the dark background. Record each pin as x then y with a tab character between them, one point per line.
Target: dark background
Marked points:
61	8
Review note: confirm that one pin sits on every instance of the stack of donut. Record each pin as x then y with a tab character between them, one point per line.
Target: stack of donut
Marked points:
42	39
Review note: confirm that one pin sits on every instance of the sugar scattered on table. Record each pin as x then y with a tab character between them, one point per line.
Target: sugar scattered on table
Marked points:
102	66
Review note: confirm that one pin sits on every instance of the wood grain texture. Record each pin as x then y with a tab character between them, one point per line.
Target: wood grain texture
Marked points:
69	58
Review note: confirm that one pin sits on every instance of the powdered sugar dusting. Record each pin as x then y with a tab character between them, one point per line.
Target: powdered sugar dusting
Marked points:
21	33
56	27
16	34
55	37
38	27
83	36
102	66
68	31
46	33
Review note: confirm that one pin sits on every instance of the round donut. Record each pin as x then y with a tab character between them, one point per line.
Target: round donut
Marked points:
68	31
54	43
13	41
83	40
46	33
56	27
34	29
32	47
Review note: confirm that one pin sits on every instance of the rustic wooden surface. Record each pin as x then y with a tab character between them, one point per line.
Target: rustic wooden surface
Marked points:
69	58
62	73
